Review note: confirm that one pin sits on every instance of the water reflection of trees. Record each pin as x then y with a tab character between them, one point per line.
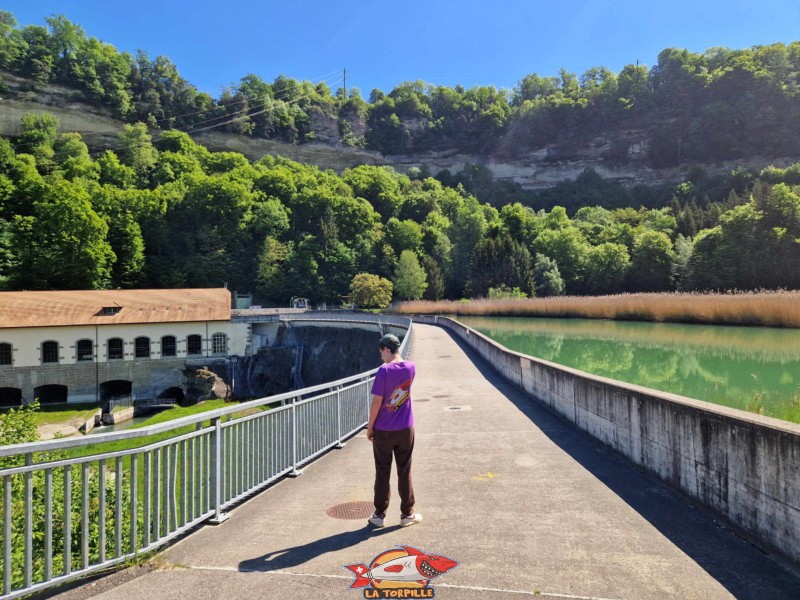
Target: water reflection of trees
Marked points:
759	343
658	356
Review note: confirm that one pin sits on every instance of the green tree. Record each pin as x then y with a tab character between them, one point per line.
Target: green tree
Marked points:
125	239
547	278
72	157
380	186
404	235
113	172
434	277
270	278
137	150
6	254
568	248
410	278
499	261
65	38
370	291
606	268
468	226
39	133
12	46
63	245
683	255
38	60
651	263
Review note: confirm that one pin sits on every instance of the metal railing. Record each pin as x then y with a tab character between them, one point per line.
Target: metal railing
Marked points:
76	505
121	401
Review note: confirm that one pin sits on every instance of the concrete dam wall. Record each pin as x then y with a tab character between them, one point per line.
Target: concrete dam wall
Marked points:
289	355
743	467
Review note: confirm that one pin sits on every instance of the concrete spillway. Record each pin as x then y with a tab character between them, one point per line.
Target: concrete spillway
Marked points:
291	355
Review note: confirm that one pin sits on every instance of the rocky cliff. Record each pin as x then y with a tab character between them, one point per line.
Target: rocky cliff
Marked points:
537	169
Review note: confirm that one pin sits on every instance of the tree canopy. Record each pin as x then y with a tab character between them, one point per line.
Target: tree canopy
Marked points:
711	106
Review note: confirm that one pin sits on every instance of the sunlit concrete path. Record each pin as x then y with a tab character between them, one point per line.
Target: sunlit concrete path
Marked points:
526	504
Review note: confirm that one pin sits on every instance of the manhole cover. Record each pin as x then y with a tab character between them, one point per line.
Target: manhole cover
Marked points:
422	400
441	395
445	356
454	408
351	510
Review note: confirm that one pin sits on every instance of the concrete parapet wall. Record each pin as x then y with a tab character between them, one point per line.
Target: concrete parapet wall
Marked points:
92	421
744	467
119	416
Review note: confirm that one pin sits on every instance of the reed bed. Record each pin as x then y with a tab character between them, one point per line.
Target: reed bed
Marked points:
762	308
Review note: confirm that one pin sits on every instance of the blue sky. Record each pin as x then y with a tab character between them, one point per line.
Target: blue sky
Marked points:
381	43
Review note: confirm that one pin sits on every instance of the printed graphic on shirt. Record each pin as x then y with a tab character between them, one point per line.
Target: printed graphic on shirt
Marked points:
398	397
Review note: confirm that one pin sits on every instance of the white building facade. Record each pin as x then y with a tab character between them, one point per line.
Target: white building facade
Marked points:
89	346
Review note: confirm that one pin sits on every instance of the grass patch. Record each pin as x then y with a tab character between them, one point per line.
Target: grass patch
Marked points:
765	309
169	414
75	414
178	412
773	405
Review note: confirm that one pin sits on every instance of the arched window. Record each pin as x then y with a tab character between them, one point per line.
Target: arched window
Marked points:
194	344
219	343
51	394
142	347
115	349
6	356
168	346
84	350
10	397
50	352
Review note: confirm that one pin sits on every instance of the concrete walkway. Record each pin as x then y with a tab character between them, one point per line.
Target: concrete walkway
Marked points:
527	505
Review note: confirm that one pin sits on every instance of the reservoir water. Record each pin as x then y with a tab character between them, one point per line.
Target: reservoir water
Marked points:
751	368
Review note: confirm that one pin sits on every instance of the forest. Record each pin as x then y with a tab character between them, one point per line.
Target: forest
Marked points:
157	209
720	104
171	213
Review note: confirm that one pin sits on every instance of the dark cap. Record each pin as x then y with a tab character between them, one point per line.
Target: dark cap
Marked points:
389	341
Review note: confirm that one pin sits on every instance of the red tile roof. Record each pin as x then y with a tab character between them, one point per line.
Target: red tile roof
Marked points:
85	307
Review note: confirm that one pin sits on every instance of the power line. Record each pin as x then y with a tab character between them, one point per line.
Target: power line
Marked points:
243	113
175	117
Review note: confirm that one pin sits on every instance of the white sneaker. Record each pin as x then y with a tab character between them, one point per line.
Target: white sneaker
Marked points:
411	519
376	520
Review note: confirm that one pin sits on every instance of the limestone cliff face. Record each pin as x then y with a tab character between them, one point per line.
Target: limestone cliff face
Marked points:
536	169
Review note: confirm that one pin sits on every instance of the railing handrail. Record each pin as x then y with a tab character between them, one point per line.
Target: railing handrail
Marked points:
128	434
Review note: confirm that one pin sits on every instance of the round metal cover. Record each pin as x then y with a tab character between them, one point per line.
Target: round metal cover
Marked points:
351	510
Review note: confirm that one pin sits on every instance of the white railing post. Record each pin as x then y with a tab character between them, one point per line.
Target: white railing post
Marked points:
340	444
295	471
216	472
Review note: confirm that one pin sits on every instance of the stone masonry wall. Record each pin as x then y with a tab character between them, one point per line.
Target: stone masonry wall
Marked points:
148	377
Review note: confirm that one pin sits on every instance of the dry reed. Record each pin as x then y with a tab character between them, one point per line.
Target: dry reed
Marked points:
762	308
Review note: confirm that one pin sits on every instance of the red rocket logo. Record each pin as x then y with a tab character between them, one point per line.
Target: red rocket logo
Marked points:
398	397
400	573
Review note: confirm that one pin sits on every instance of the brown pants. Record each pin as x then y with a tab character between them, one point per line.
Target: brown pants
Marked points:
401	444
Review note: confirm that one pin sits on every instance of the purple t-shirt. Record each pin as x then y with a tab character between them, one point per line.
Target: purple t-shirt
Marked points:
393	382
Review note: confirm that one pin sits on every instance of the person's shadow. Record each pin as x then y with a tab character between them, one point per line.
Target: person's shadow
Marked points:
285	558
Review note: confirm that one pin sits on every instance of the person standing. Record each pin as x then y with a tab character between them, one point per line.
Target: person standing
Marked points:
391	431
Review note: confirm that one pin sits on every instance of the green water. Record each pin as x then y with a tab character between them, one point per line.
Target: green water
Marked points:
751	368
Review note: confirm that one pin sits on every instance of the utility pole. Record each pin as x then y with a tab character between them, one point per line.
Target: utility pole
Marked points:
344	77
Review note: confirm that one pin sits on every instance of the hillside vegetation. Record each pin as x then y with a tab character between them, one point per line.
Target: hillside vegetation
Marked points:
717	105
167	212
174	214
